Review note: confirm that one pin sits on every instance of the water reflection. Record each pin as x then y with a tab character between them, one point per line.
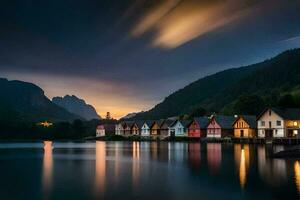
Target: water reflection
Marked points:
126	170
47	169
117	161
135	165
272	171
242	157
194	155
297	175
177	152
100	168
214	157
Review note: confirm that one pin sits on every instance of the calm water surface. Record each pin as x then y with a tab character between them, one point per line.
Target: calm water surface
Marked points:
145	170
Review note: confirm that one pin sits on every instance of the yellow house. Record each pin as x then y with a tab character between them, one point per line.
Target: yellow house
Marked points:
155	128
245	127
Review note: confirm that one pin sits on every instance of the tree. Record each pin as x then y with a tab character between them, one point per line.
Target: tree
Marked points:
197	112
79	128
248	105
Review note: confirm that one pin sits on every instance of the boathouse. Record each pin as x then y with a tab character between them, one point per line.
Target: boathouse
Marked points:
178	128
245	126
197	128
279	123
220	126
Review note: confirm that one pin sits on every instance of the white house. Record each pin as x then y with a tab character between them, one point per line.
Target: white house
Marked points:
104	129
100	131
178	128
119	130
145	128
275	122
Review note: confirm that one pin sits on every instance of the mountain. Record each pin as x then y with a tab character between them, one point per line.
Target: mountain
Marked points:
219	92
77	106
27	102
128	116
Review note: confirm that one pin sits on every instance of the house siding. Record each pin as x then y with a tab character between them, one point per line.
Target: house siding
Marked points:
213	129
241	126
178	129
194	130
268	126
145	131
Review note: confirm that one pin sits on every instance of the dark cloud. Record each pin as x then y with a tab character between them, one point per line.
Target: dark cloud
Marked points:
124	42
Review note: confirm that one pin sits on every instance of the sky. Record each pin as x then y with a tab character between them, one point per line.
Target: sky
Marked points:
126	56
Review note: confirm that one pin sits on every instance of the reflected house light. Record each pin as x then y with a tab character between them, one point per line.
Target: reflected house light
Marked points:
194	155
297	175
117	164
135	165
242	160
214	156
243	170
47	168
100	168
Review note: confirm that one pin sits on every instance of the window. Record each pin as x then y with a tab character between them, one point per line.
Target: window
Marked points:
295	132
295	123
270	124
278	123
262	123
270	112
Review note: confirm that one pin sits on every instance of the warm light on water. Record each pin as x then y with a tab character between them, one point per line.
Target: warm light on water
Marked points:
100	174
135	165
47	168
297	175
243	170
139	170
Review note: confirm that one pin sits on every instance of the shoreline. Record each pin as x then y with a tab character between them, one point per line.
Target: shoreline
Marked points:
280	141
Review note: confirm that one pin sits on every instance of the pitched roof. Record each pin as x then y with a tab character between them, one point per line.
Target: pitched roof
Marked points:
160	122
202	121
225	121
168	122
184	123
285	113
139	123
128	123
249	119
288	113
150	122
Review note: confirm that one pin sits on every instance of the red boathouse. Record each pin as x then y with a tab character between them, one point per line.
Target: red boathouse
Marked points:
197	128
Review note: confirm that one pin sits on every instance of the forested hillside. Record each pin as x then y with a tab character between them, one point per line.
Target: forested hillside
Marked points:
246	90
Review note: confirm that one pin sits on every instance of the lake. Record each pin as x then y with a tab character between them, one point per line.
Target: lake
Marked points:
145	170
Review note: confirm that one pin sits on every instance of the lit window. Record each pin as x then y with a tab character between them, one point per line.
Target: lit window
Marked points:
295	132
295	123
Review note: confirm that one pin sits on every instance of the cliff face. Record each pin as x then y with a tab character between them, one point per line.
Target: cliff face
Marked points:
76	106
26	101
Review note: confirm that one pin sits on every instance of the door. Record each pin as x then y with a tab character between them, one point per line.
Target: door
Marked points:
242	133
172	133
269	133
